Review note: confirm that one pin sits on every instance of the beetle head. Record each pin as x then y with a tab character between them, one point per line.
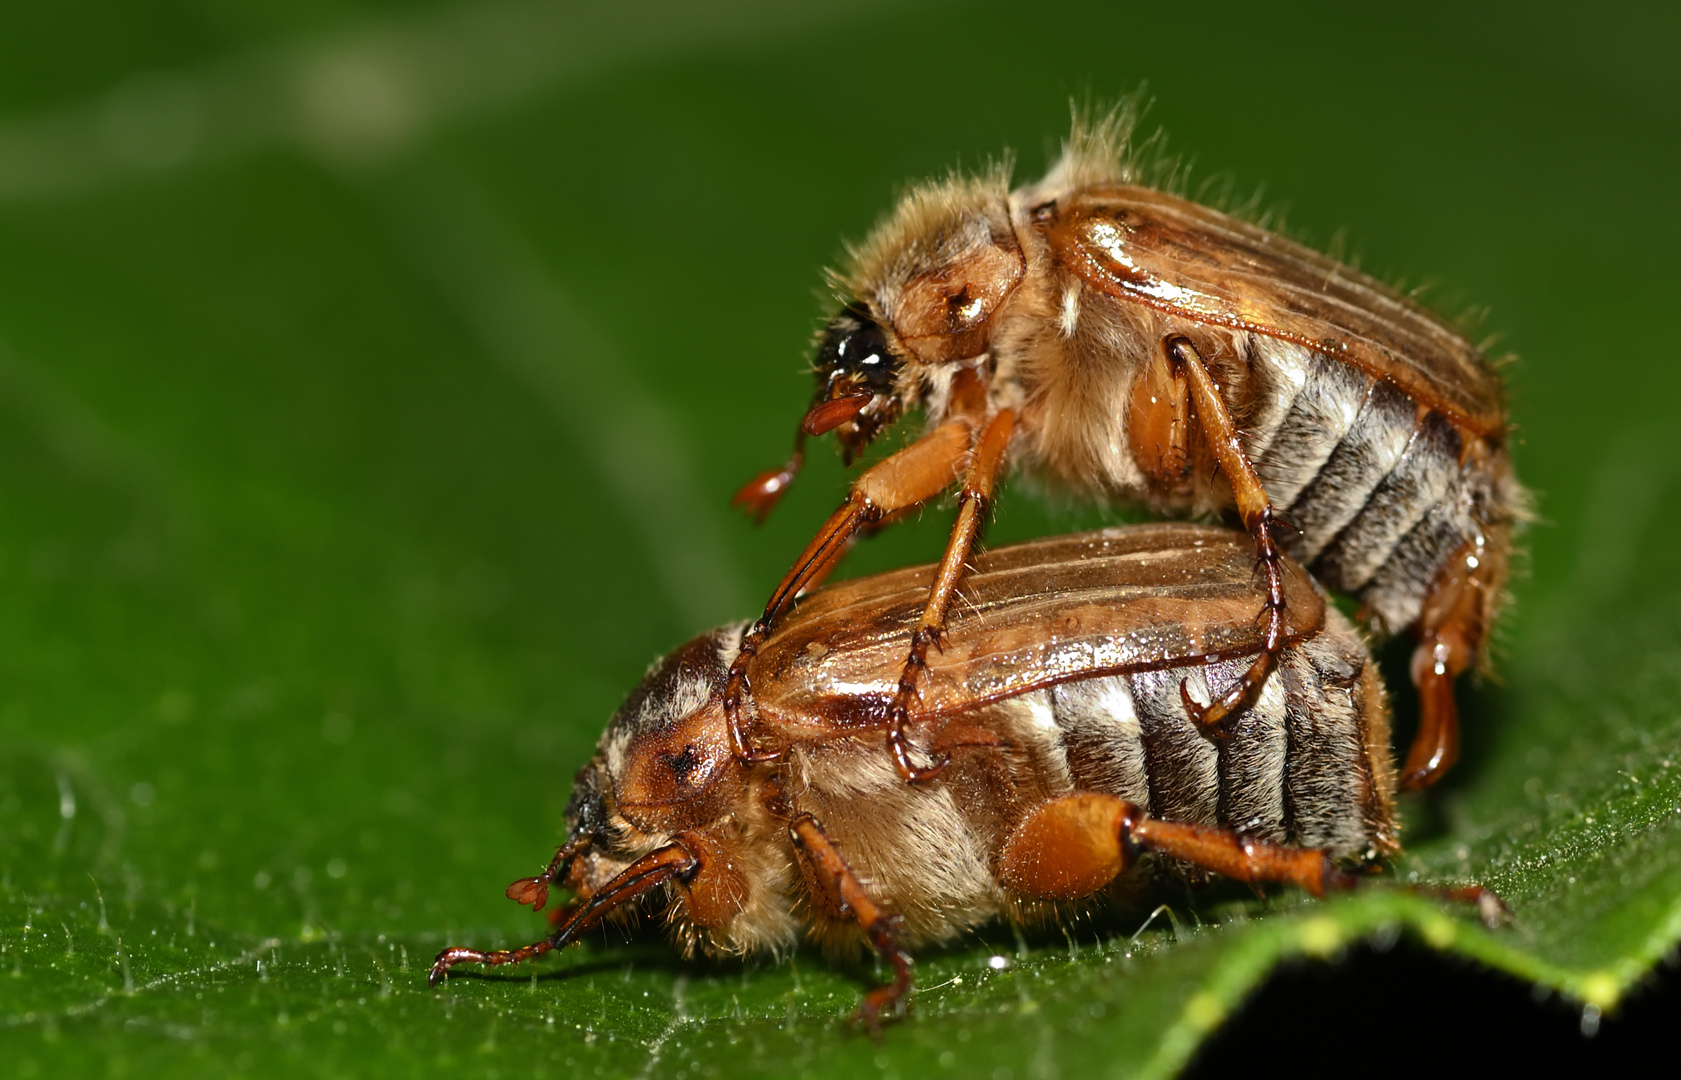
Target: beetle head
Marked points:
856	380
665	757
926	289
664	765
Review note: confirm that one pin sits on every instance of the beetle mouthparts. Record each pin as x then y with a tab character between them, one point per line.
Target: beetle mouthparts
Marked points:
826	416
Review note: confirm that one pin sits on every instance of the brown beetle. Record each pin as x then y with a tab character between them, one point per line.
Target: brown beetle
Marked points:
1076	772
1123	342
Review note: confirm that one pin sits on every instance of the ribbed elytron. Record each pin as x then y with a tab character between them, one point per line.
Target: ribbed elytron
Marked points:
1122	342
1076	774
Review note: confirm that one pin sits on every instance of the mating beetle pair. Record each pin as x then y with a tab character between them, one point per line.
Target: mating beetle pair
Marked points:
881	764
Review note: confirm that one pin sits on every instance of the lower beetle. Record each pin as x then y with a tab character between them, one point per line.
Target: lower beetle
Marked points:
1077	774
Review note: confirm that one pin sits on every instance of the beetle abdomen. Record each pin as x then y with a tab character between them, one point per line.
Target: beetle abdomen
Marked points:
1382	491
1307	765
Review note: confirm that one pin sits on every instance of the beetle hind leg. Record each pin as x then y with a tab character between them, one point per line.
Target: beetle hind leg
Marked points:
1073	846
1454	622
1262	521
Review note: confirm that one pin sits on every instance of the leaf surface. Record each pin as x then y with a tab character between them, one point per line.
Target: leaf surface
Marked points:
372	385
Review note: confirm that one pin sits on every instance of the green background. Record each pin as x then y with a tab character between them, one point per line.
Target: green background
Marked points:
373	379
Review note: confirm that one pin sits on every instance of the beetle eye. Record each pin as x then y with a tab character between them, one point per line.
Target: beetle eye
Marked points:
586	812
853	351
683	765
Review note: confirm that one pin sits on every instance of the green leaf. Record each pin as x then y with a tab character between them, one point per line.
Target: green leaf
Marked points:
372	384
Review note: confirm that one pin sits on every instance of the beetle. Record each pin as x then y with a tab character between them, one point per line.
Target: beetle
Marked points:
1122	342
1077	774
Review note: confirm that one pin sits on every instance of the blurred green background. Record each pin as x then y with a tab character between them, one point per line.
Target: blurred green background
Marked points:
374	378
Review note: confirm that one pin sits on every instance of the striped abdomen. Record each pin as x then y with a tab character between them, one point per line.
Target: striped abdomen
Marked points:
1308	764
1383	492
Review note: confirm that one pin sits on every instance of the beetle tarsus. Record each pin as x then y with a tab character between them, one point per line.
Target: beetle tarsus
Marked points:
890	1002
848	899
450	957
1217	719
899	745
1492	911
738	693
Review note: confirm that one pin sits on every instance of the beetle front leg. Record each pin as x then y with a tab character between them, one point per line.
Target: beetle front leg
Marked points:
974	501
813	565
673	862
913	475
1253	506
842	896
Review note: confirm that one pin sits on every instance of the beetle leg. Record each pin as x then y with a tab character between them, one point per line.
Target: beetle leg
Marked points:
1258	515
1492	910
973	503
913	475
1454	621
1159	421
838	889
1074	845
671	862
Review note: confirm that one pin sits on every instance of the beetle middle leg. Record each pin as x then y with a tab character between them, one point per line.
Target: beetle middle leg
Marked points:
974	500
837	888
1259	517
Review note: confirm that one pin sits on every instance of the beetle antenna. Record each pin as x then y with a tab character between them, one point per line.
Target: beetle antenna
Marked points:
535	890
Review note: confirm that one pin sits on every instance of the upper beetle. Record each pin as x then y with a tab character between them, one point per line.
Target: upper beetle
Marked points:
1123	342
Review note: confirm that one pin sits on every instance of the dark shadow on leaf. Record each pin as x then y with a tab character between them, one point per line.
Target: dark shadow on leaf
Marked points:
1460	1019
